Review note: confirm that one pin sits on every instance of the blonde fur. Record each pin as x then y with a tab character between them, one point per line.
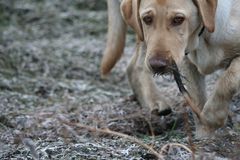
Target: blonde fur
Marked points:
115	38
140	79
207	53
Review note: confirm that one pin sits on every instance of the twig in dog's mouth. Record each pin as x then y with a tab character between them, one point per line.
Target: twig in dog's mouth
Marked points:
182	89
177	77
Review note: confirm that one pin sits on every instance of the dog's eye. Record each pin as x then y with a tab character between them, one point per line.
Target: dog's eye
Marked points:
148	20
177	20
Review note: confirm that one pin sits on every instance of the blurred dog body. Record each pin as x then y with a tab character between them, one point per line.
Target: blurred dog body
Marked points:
199	35
140	79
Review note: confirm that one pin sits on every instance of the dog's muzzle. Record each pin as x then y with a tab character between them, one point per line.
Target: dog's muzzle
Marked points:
159	64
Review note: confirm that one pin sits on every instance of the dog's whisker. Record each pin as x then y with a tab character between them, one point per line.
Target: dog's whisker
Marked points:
167	71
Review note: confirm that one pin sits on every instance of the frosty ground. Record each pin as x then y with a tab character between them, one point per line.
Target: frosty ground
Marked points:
50	53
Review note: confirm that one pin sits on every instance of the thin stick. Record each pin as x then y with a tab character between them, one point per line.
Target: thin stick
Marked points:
164	148
183	90
110	132
195	109
135	115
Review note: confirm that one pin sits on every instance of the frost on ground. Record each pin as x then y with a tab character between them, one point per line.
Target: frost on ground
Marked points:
49	75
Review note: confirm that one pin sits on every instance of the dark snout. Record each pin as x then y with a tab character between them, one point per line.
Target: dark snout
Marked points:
159	64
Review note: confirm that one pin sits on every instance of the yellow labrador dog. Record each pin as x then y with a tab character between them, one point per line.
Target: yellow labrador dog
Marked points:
140	79
199	35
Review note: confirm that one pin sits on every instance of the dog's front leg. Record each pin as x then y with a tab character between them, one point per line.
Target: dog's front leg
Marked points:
143	84
215	111
195	83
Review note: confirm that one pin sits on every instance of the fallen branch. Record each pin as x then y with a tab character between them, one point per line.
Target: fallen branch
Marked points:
110	132
167	146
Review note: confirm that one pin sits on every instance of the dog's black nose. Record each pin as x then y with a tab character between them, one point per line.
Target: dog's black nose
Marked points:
158	64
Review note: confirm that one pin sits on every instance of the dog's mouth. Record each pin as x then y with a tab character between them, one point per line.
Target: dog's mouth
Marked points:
161	72
172	70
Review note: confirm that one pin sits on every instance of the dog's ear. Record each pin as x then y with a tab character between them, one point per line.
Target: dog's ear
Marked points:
207	10
130	13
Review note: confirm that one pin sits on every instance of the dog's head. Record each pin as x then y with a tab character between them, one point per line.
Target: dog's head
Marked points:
168	27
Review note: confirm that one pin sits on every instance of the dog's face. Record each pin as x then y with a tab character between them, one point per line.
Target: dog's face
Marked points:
168	27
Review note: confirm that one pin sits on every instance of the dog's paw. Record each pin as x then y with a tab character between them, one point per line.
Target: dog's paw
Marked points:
214	115
204	132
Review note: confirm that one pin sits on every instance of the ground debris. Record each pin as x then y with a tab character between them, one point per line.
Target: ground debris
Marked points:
50	54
